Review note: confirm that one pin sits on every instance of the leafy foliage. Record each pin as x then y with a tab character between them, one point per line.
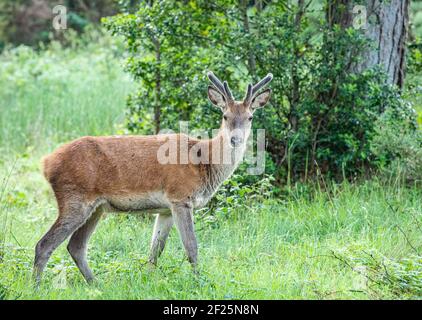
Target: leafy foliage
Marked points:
164	41
322	113
235	195
398	149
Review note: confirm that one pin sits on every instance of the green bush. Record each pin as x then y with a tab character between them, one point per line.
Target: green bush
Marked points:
236	194
322	114
398	149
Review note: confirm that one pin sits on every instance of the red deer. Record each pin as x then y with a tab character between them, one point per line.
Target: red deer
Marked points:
91	175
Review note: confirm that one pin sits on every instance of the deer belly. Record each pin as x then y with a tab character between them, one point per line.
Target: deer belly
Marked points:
152	200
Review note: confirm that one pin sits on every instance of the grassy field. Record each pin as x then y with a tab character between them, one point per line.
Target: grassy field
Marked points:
351	241
57	94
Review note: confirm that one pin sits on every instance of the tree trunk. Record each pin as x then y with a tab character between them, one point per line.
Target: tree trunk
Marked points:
387	28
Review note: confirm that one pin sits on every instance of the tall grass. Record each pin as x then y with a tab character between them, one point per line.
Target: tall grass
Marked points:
58	93
355	241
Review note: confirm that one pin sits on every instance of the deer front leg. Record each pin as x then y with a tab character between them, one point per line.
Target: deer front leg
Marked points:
183	217
162	227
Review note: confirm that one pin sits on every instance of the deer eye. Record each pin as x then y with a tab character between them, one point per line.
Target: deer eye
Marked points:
225	117
250	118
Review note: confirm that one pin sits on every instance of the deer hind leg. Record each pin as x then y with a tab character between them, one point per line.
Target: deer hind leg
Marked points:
162	227
71	216
78	242
183	216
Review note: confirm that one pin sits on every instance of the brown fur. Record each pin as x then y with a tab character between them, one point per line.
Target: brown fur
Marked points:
118	166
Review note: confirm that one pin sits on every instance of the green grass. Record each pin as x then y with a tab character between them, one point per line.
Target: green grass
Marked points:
59	93
290	249
354	241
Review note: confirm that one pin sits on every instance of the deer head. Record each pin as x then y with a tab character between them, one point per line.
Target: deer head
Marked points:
238	115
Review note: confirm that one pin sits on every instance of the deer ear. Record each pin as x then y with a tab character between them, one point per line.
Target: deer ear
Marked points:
261	99
216	97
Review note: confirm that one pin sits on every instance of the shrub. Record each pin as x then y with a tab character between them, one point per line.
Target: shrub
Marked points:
322	113
398	148
236	194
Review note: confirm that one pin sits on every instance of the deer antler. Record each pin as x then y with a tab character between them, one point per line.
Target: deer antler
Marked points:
223	88
253	90
217	83
228	92
262	83
248	93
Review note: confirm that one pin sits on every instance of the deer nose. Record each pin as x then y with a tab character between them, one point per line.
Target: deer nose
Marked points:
235	141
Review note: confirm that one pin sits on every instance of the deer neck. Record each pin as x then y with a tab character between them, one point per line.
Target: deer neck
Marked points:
224	161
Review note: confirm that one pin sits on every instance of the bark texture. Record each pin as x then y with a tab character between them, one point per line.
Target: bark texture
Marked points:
387	28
